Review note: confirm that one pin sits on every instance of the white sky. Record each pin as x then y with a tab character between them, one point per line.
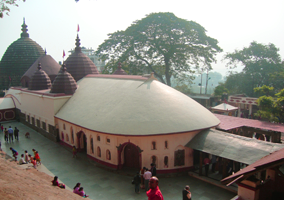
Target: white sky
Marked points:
53	23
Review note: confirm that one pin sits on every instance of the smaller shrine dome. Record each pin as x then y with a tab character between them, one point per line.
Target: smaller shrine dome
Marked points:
40	80
64	82
78	64
48	64
119	70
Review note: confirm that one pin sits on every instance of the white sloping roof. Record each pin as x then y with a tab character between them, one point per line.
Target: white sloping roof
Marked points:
6	103
224	107
133	107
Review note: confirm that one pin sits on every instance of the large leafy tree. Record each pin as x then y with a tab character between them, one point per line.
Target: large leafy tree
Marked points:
271	108
259	61
4	6
161	43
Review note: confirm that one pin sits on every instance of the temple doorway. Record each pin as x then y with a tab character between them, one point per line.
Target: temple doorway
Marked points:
131	157
82	141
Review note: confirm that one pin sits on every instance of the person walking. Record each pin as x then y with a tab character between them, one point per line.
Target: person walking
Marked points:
186	194
74	151
6	135
2	128
14	152
10	131
27	159
147	175
37	158
137	182
16	133
142	171
154	193
153	169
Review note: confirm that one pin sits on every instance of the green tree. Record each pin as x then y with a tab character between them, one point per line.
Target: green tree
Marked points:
259	62
161	43
271	108
264	90
4	6
220	89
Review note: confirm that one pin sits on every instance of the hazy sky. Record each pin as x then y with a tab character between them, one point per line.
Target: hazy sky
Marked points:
53	23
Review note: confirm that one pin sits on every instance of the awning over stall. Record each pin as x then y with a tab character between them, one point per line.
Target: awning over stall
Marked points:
234	147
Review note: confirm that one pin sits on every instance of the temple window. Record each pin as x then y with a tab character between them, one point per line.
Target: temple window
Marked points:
166	144
154	160
64	127
92	145
98	151
98	138
154	145
166	160
108	155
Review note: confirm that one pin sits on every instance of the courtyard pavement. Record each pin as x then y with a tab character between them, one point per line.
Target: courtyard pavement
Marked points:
99	183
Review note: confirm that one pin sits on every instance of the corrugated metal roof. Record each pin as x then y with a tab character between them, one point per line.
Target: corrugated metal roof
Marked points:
228	123
267	160
129	106
234	147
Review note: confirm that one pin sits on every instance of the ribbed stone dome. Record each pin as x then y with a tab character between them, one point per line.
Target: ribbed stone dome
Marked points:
17	59
64	82
80	65
119	70
48	64
40	80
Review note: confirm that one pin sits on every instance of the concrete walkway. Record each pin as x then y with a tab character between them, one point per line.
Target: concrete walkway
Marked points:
99	183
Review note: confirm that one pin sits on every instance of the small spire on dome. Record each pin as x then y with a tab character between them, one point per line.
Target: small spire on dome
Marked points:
64	67
45	51
78	48
39	66
24	30
119	65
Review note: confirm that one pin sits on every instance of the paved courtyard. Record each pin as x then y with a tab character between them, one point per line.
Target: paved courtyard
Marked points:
99	183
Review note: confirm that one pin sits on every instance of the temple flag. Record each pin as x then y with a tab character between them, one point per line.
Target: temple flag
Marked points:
63	54
78	28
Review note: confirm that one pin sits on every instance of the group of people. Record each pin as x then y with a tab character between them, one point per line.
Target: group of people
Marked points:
77	189
148	180
27	158
9	134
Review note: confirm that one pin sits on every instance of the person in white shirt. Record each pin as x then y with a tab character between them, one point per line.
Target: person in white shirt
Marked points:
22	160
147	175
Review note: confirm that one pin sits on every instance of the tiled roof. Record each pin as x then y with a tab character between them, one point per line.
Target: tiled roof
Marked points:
229	122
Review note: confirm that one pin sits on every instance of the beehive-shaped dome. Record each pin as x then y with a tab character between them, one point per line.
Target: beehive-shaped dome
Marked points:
18	58
40	80
78	64
119	70
64	83
48	64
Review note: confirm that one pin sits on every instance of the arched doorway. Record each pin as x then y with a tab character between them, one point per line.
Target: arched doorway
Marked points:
82	141
131	157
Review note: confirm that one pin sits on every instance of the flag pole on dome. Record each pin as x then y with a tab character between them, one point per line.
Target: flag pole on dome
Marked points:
63	56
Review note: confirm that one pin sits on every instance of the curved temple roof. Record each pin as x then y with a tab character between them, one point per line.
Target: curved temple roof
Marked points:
133	105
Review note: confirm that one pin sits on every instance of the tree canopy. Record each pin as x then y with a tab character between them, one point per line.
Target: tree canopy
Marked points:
271	108
161	43
261	63
4	8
